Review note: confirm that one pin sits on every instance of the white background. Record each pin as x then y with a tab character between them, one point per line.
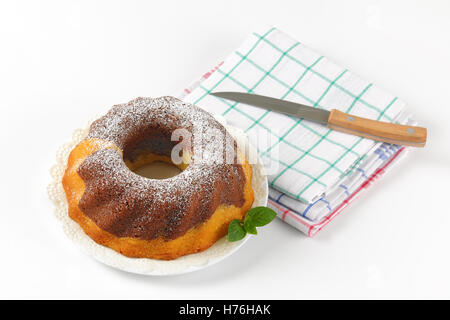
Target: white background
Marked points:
63	62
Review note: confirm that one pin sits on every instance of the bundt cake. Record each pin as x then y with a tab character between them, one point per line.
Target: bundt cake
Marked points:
150	218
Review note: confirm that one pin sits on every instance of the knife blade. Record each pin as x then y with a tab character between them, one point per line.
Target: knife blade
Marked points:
337	120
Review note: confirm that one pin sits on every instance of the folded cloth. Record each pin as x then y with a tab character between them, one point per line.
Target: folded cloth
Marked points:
311	218
313	171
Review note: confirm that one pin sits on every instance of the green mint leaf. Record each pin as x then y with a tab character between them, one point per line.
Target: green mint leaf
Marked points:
258	217
249	226
236	231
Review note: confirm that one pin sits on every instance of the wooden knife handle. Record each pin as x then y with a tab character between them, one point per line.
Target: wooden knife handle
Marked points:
377	130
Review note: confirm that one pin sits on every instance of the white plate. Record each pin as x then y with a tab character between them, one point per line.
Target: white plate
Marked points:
189	263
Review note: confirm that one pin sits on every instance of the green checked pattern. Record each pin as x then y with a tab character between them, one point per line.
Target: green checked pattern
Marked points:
303	158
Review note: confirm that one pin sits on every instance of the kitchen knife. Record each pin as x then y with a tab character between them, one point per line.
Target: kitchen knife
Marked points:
337	120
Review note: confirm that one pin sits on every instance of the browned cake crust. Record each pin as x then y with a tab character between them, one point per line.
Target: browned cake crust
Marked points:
142	217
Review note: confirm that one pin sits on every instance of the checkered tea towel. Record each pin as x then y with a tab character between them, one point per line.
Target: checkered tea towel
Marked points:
313	171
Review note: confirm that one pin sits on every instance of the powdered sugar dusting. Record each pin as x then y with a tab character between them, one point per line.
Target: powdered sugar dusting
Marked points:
126	120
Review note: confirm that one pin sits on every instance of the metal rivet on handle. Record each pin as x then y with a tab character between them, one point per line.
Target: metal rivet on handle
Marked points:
410	130
350	118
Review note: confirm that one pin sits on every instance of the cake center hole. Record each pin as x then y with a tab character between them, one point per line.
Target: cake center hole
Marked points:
157	170
155	161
